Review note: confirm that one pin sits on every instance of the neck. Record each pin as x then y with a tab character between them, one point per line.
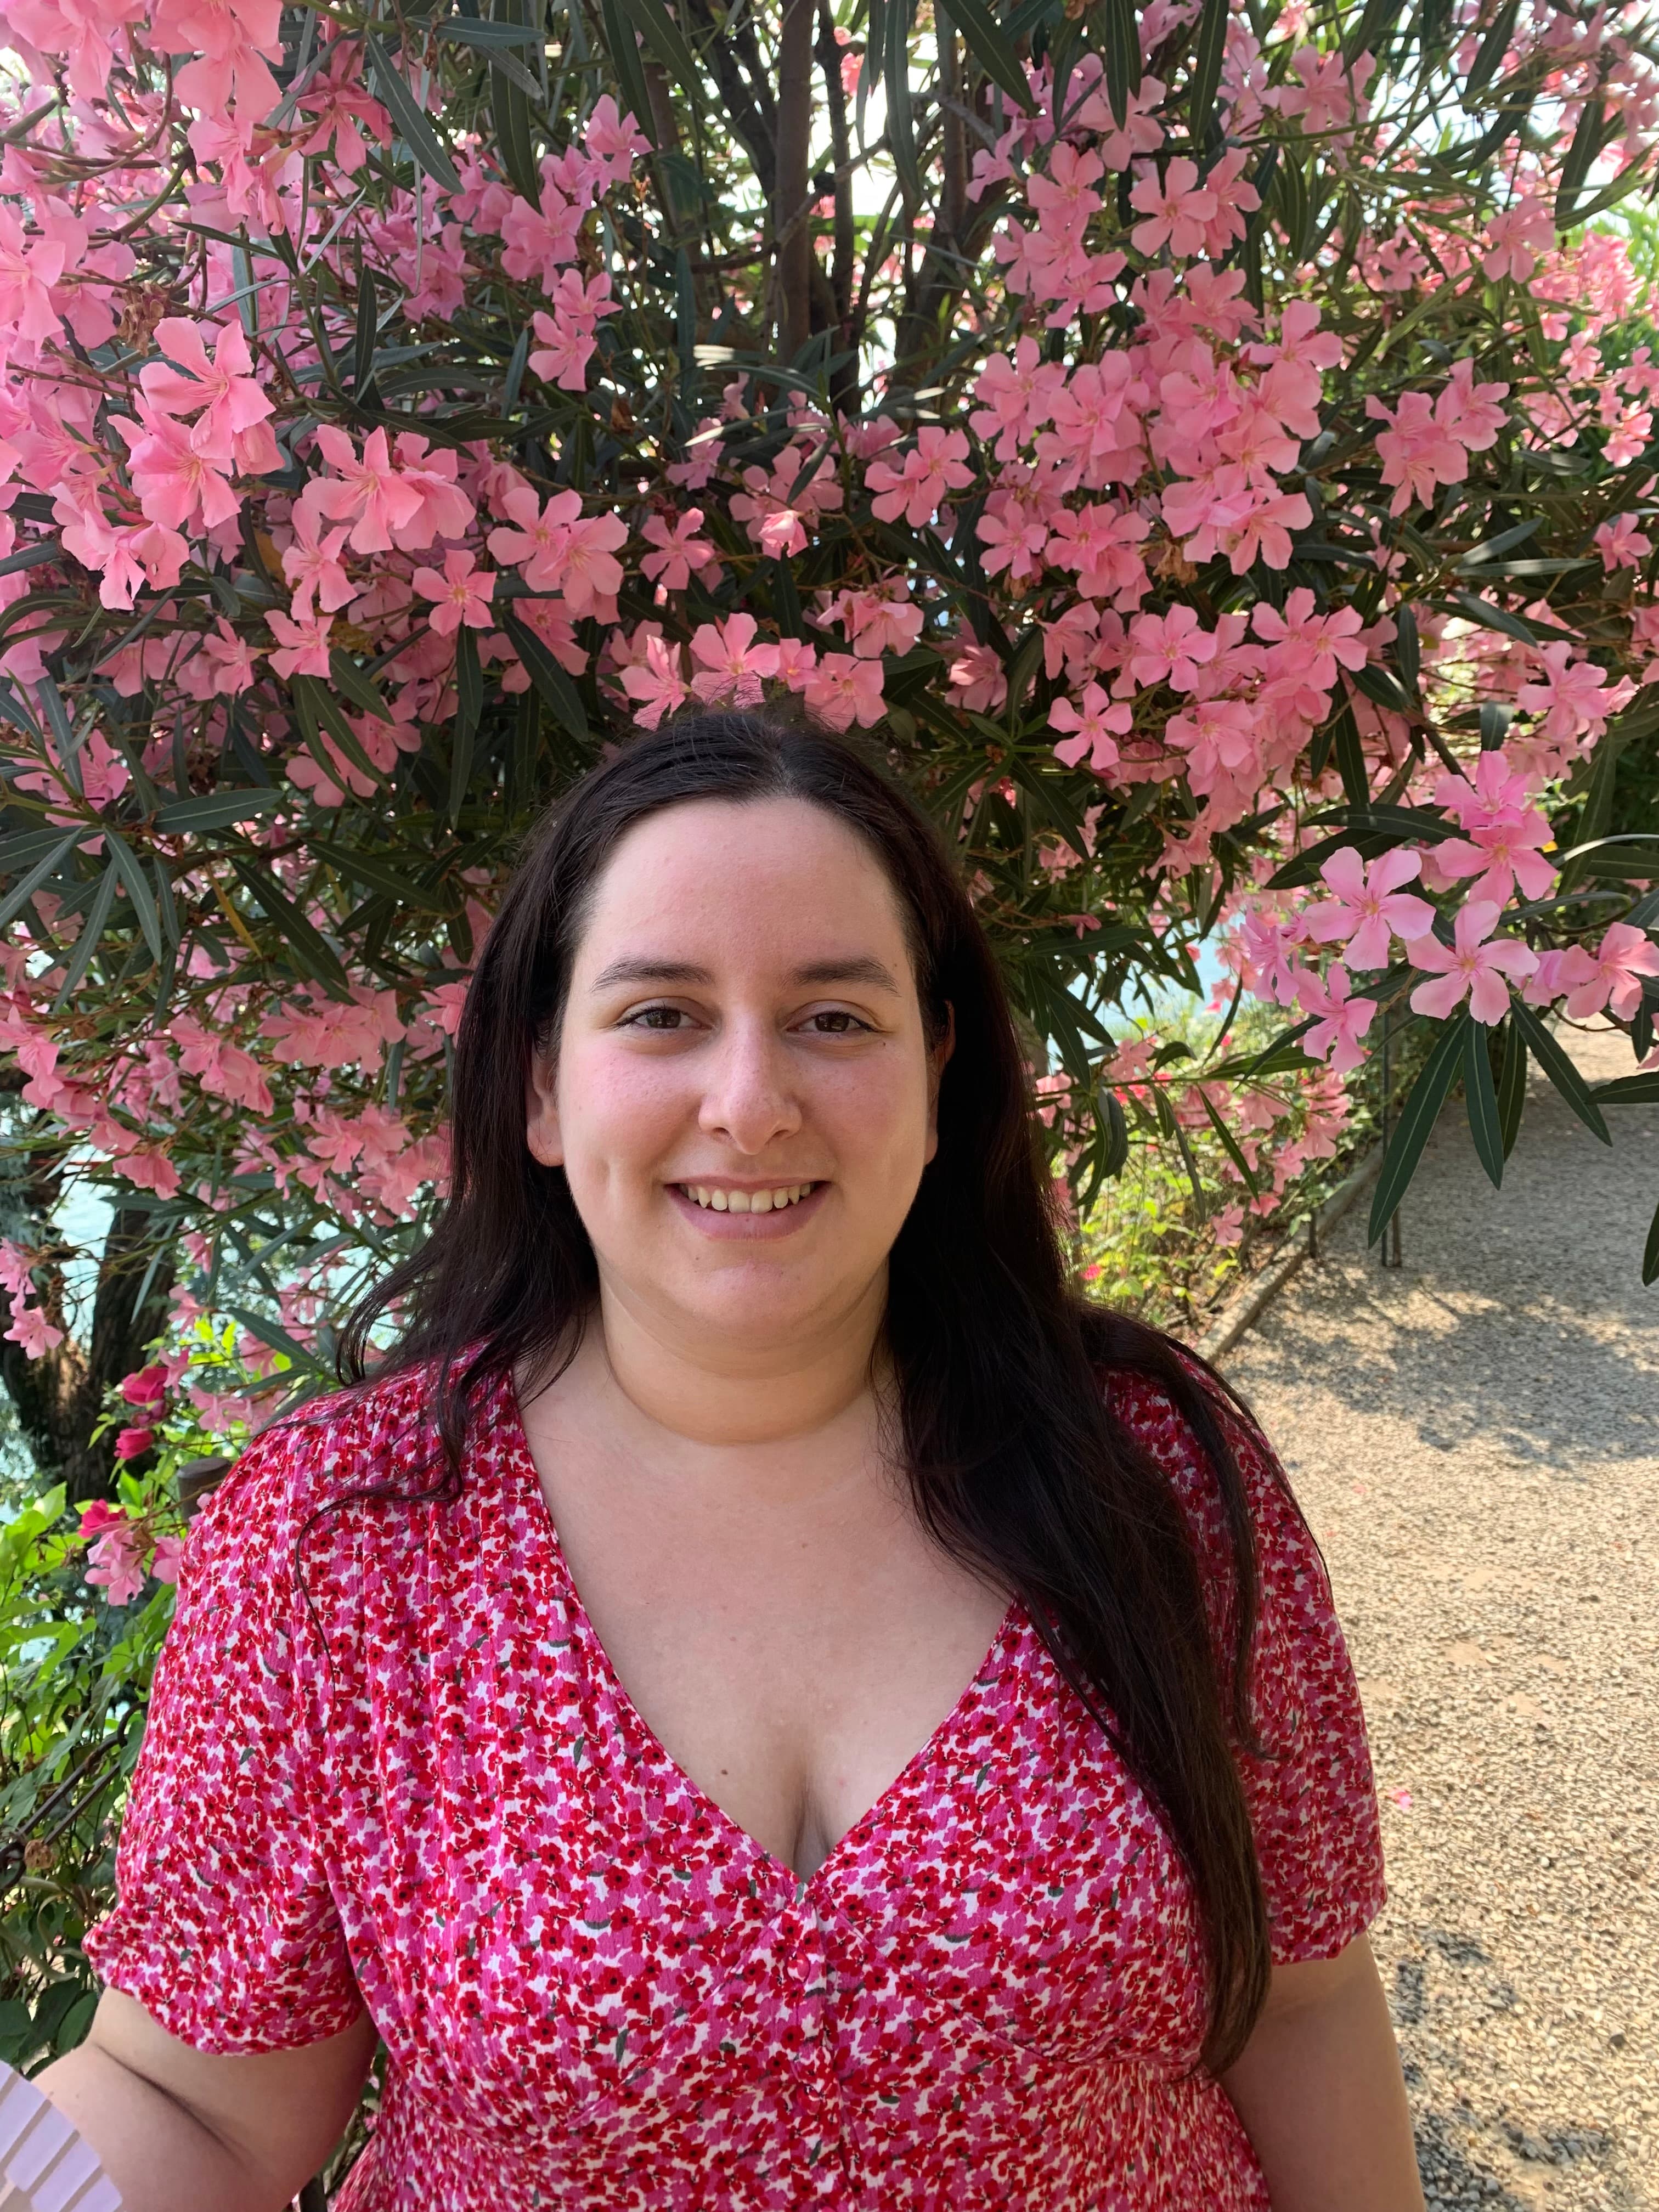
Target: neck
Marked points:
726	1393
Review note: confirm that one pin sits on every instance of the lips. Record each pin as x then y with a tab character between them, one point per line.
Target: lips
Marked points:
782	1209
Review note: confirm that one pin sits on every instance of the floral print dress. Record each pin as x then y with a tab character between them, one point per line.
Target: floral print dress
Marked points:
599	1994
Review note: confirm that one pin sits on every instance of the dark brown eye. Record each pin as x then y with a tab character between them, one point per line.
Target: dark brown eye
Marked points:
663	1019
841	1023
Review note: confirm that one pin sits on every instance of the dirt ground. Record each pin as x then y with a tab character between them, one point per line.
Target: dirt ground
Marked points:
1475	1438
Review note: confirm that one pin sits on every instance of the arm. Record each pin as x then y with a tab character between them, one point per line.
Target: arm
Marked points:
1320	2090
179	2130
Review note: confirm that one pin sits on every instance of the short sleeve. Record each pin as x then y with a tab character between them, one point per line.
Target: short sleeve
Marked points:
225	1928
1312	1800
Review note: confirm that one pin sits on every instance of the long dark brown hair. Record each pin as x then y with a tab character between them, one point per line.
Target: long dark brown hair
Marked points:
1017	1466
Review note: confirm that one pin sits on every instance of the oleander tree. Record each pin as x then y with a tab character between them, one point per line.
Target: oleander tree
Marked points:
1208	448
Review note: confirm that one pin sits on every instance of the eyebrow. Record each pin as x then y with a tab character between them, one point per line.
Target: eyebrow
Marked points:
861	970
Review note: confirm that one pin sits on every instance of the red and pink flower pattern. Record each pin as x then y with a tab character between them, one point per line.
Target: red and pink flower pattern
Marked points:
594	1987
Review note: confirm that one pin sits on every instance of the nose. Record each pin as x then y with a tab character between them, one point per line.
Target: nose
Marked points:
749	1098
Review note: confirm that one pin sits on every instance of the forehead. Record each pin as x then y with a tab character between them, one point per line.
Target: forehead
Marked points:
773	880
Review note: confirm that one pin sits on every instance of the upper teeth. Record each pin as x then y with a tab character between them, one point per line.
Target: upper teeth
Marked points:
746	1201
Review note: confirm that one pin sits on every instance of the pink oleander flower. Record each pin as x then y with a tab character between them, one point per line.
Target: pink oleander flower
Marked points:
1178	211
462	590
224	388
730	666
561	549
370	494
1621	544
655	683
1610	977
1571	696
30	267
1018	397
978	679
179	486
930	471
1501	852
1343	1019
312	566
1473	966
1417	452
1094	722
133	1444
303	644
680	549
1370	906
843	689
1517	239
30	1328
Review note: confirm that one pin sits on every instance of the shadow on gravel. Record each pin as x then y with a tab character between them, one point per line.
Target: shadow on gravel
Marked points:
1448	2176
1492	1377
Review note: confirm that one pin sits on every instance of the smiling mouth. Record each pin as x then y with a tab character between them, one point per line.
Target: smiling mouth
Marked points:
720	1199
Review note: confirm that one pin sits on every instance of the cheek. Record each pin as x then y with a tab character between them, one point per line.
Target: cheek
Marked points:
618	1110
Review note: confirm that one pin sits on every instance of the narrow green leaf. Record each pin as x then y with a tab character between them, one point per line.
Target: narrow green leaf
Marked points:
624	56
510	109
1204	81
485	36
87	943
545	673
1230	1143
668	42
410	124
367	329
273	1333
1628	1090
32	556
1489	54
1491	617
984	38
1494	724
1587	141
1512	1087
358	686
1650	1253
1560	1070
24	849
1480	1097
137	890
1421	1111
1351	758
1121	39
1408	648
318	708
469	706
20	895
221	810
901	138
369	868
1117	1132
314	954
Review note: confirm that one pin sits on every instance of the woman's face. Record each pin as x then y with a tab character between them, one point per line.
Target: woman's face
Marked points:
743	1099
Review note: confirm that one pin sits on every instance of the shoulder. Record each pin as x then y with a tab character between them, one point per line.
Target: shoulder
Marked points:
305	1461
1287	1559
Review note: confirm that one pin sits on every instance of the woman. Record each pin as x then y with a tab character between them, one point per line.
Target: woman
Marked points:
579	1703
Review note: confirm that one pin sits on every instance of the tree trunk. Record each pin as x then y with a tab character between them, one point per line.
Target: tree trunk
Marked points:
58	1397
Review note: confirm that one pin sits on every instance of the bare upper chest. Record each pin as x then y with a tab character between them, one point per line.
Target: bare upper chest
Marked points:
790	1655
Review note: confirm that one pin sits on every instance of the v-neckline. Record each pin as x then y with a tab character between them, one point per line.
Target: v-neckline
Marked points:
874	1817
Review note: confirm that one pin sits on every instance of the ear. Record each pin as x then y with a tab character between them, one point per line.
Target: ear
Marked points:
542	1112
936	1060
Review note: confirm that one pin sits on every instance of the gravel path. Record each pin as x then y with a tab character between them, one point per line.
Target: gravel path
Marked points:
1475	1440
